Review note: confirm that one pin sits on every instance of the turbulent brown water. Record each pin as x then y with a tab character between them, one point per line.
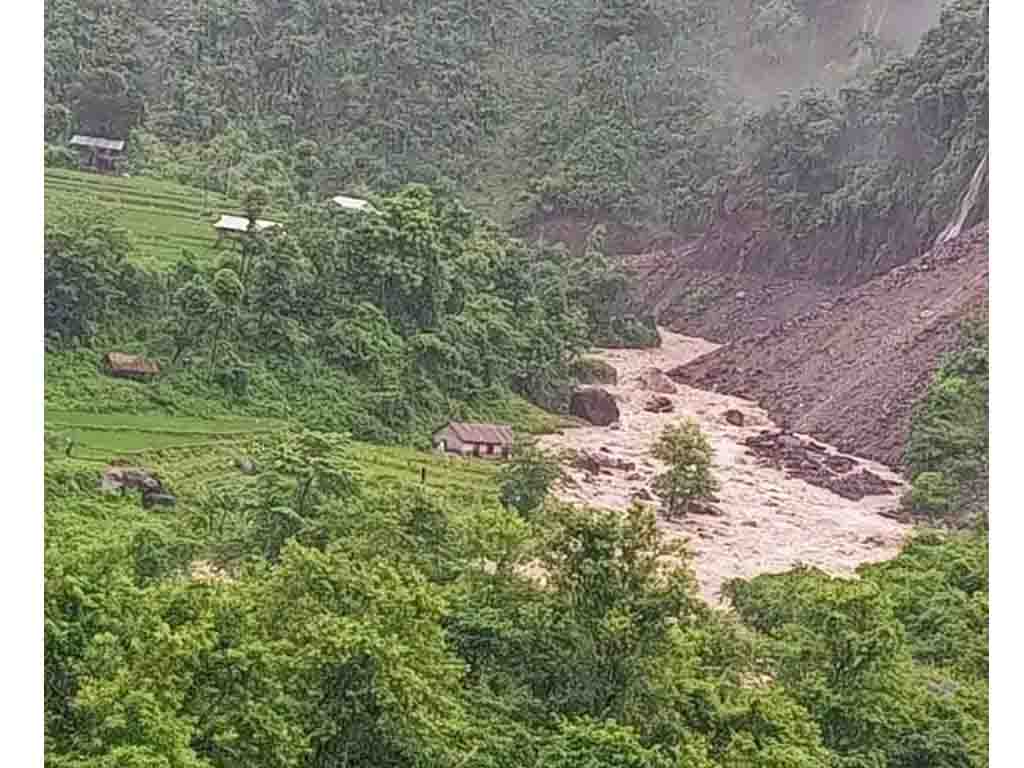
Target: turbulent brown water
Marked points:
770	523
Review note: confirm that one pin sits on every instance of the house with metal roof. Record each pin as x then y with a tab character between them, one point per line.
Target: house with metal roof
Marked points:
353	204
97	153
240	224
474	439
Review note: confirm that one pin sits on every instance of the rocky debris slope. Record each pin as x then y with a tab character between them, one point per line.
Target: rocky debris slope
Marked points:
744	274
719	306
850	370
816	464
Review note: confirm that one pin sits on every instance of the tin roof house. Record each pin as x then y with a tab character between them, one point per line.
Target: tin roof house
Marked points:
354	204
96	152
231	225
474	439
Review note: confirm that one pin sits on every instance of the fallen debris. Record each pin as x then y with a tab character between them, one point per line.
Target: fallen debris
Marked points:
806	460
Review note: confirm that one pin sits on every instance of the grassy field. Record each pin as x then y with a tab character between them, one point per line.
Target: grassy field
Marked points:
164	218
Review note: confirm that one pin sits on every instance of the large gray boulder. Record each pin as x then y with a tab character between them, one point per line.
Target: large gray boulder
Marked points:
595	405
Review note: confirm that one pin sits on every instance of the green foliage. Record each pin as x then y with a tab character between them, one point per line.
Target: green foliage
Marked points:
601	745
844	652
350	614
689	457
380	324
407	622
526	479
902	141
166	220
86	276
947	451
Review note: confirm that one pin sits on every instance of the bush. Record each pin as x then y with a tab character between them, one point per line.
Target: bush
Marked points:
947	451
526	480
55	156
689	455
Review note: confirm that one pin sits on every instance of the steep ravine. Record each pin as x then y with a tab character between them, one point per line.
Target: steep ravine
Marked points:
770	521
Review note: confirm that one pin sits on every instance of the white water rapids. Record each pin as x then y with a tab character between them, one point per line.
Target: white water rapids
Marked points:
771	522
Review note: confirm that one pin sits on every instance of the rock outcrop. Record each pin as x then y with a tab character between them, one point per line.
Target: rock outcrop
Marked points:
595	405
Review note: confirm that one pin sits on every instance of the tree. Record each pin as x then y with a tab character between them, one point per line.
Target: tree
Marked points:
527	478
689	457
586	742
307	470
617	588
85	274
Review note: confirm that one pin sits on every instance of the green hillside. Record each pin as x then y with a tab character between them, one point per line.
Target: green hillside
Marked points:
164	218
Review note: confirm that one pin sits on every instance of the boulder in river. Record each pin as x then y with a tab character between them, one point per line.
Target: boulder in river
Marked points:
734	417
655	380
659	404
595	405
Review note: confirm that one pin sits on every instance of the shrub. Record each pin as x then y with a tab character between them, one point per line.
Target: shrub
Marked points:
689	455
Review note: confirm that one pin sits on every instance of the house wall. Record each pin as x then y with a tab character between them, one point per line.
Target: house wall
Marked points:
452	444
451	441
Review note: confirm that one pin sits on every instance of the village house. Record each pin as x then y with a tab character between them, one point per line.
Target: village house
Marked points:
97	153
239	225
125	366
353	204
474	439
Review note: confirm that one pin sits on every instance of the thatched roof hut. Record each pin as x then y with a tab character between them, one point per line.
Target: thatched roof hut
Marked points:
130	366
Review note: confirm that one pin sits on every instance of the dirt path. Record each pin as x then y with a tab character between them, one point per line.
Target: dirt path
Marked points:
770	522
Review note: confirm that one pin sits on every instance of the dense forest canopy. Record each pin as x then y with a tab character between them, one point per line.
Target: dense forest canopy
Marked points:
637	112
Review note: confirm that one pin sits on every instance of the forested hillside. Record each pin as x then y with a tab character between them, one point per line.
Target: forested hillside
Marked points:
380	324
578	111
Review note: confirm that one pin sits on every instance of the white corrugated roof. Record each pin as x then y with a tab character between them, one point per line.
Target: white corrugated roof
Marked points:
79	140
353	203
241	223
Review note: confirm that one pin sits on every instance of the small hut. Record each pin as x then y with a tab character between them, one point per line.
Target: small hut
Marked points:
474	439
124	366
97	153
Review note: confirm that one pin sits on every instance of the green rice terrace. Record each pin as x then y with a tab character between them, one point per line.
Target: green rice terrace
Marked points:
164	218
195	454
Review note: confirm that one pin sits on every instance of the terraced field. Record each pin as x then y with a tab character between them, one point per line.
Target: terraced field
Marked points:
164	218
198	455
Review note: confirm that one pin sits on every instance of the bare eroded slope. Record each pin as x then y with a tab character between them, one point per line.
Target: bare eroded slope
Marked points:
849	370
